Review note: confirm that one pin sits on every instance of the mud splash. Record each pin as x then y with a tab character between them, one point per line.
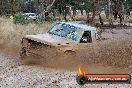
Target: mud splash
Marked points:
101	55
114	57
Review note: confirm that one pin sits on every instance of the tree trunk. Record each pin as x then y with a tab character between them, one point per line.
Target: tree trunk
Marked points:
81	12
74	12
100	19
108	9
121	15
87	13
94	11
110	15
65	13
48	8
13	7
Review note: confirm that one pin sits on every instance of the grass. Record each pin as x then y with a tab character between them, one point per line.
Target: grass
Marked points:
12	34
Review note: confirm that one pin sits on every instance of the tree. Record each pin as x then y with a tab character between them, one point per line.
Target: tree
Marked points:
62	5
128	5
87	7
5	7
118	9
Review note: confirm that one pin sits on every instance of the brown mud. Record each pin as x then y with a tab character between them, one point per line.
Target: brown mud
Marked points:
113	54
101	58
110	58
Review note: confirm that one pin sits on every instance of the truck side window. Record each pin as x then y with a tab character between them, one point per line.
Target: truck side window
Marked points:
86	38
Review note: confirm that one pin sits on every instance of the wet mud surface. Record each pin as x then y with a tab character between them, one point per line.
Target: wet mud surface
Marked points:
113	54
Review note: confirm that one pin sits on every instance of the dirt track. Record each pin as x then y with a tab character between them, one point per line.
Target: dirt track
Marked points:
111	55
13	74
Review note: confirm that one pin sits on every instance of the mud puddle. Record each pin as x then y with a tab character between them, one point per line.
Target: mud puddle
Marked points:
71	63
89	68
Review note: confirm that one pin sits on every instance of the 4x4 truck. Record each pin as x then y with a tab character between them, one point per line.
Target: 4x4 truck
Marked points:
62	37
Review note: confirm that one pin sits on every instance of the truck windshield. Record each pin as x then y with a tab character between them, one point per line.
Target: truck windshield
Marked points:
64	30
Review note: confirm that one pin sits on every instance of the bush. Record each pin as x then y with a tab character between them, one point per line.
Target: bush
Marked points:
49	19
19	18
40	20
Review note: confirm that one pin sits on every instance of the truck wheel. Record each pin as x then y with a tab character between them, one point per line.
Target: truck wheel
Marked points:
81	80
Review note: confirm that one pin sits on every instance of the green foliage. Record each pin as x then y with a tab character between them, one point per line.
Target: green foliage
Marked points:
4	7
40	20
50	19
129	2
19	18
88	5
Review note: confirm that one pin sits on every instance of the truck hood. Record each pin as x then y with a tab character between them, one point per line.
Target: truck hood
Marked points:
50	39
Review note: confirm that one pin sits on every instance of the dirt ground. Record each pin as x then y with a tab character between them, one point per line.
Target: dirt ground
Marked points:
14	74
111	55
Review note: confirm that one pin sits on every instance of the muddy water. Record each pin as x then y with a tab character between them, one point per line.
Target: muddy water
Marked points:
103	57
73	66
15	75
72	62
100	57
